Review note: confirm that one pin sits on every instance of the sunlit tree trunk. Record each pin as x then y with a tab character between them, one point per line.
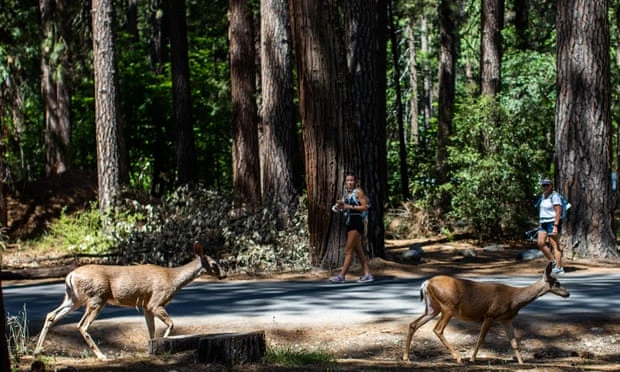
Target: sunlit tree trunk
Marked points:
492	22
583	126
107	111
281	164
414	128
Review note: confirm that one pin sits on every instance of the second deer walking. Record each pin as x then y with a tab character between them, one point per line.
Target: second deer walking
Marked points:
478	302
148	287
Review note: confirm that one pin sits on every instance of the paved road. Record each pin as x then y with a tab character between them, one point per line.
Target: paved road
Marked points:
307	303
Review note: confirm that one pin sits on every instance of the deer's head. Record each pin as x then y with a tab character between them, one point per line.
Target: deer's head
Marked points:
553	284
209	265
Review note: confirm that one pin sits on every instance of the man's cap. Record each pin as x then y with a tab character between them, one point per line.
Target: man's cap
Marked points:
546	181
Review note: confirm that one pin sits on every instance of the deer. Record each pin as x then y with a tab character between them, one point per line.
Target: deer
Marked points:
473	301
147	287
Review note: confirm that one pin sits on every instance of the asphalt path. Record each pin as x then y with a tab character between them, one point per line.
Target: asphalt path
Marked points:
313	303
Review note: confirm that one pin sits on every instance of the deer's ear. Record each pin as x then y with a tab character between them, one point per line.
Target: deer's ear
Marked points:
197	248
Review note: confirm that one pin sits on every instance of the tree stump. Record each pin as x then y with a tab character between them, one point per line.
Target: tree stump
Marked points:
225	348
232	349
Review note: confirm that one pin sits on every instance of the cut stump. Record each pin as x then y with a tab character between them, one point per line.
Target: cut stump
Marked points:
225	348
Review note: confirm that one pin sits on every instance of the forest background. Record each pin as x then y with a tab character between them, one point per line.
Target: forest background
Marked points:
451	112
234	122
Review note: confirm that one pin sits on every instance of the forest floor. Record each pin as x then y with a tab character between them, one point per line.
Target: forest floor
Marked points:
568	344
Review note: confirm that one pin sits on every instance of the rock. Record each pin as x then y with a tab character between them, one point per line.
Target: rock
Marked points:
414	253
493	248
529	254
467	252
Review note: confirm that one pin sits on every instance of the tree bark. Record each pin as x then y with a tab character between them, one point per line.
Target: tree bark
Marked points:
448	41
360	31
55	86
330	136
521	22
245	155
5	361
492	22
402	140
181	95
280	152
107	112
163	167
583	126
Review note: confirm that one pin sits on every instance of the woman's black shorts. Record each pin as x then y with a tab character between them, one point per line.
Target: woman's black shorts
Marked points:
356	223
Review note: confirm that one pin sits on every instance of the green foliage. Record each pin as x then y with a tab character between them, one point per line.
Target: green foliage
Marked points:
79	233
496	161
290	356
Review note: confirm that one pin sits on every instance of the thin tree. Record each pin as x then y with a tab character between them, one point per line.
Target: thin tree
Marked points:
281	164
583	126
55	85
5	360
158	56
107	108
402	140
246	161
448	42
521	23
331	141
181	94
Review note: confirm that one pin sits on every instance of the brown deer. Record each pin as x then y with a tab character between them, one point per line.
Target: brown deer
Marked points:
478	302
149	287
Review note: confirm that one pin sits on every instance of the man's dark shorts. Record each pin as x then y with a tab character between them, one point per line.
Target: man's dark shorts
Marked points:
548	227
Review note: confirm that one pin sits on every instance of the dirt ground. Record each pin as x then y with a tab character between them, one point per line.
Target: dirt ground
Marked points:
568	343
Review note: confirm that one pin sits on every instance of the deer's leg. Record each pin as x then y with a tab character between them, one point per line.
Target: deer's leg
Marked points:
91	313
150	323
414	326
510	332
446	315
486	324
161	313
52	317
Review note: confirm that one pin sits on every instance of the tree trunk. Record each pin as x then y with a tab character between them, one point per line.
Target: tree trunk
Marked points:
162	165
360	28
414	128
55	86
492	22
583	126
132	20
245	155
330	137
5	361
448	40
280	151
521	22
181	94
107	112
402	141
